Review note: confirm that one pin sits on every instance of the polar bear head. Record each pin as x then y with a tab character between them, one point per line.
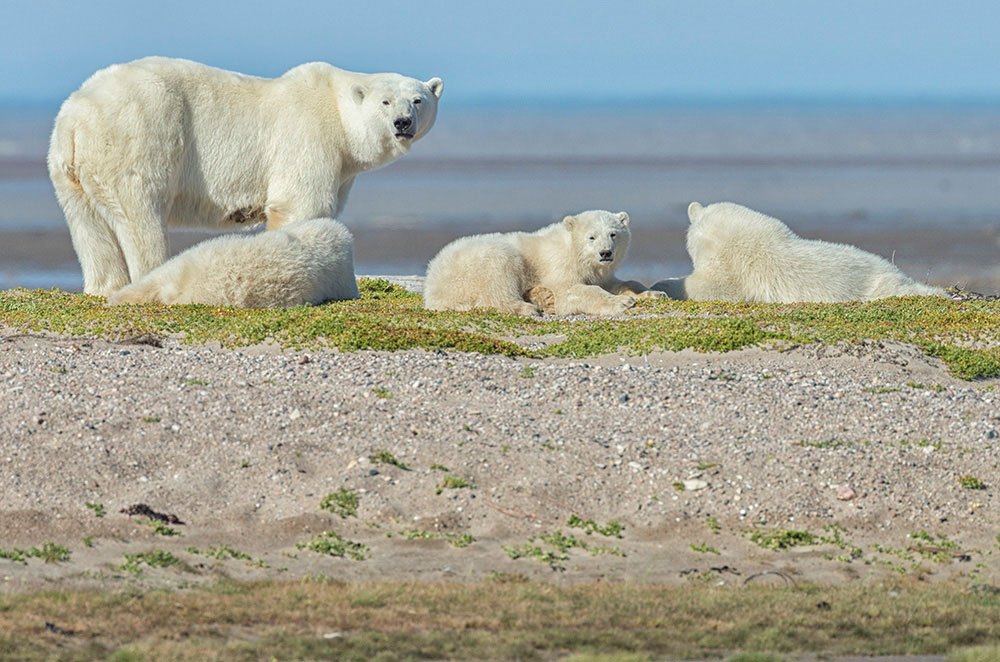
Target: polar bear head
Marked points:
599	239
390	112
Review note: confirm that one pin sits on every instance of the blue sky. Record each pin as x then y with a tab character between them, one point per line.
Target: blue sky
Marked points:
518	49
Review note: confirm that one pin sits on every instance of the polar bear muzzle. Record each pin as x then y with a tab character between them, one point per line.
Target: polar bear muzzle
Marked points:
404	127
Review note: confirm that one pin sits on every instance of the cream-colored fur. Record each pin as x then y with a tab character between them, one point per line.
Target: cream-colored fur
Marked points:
742	255
574	260
161	141
304	262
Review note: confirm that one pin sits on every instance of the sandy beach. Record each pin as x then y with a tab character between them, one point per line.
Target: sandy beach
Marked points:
867	447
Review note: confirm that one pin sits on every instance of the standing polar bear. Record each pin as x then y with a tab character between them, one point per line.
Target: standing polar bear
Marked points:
742	255
566	267
309	261
161	141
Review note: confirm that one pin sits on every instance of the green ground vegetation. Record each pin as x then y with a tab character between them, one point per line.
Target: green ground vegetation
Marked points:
503	619
963	334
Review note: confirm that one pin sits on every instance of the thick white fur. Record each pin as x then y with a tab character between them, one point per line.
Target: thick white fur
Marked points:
498	270
304	262
161	141
742	255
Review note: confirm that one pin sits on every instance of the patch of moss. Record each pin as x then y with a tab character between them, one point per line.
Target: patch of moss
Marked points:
963	334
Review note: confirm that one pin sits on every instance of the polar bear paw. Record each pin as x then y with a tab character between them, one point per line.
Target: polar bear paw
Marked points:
651	294
543	298
620	303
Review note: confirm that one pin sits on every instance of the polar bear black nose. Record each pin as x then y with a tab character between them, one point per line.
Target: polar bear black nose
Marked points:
403	123
605	255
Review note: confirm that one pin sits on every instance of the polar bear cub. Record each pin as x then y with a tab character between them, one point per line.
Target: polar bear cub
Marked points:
567	267
305	262
160	141
742	255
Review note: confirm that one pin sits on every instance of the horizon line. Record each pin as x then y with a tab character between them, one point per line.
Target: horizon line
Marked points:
509	100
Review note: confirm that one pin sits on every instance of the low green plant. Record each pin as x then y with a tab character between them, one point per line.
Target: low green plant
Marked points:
704	548
162	529
330	543
49	552
970	482
157	558
460	540
612	529
452	483
713	525
828	443
385	457
553	559
940	541
98	508
880	389
382	393
343	502
780	539
225	552
930	387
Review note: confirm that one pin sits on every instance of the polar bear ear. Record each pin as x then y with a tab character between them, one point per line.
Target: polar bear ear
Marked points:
358	91
436	85
694	211
623	217
569	222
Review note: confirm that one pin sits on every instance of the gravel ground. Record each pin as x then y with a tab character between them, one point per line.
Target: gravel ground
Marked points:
242	446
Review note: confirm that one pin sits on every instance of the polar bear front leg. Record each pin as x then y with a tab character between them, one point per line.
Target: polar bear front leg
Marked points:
634	288
341	200
304	199
591	300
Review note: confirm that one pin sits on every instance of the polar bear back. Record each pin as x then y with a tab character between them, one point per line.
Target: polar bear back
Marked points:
481	271
741	254
306	262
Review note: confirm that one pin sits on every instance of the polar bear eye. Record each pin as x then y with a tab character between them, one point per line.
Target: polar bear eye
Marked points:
614	234
385	102
417	102
592	237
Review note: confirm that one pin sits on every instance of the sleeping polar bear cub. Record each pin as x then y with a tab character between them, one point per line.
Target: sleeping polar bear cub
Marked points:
160	141
742	255
566	267
305	262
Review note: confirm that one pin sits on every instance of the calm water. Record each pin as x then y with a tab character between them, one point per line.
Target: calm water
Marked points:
922	181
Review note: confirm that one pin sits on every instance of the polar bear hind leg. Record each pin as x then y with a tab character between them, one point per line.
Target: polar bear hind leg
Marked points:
96	245
473	273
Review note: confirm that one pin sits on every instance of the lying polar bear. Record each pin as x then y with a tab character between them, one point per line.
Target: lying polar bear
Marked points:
568	268
305	262
742	255
161	141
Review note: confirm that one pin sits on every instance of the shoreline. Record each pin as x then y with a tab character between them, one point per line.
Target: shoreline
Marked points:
969	261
